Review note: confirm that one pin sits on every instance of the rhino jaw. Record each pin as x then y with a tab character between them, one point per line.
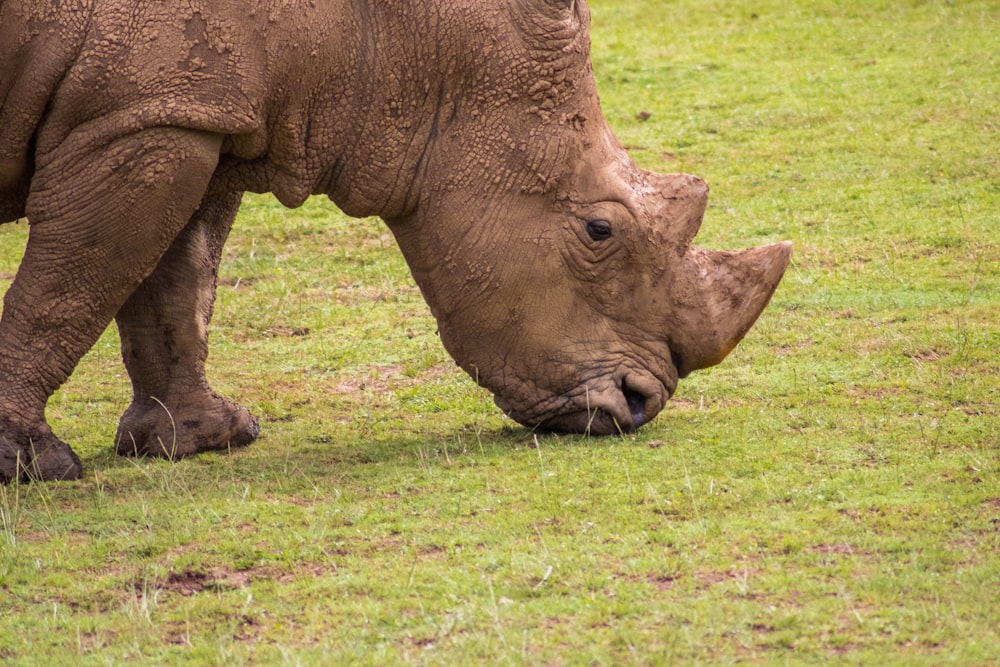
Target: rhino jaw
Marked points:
722	296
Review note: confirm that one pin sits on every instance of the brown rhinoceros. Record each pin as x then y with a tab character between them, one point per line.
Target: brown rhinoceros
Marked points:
562	277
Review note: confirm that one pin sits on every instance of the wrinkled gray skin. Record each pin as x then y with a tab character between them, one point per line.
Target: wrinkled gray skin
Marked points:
562	276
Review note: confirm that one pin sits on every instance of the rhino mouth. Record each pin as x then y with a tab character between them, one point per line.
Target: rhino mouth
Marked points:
622	408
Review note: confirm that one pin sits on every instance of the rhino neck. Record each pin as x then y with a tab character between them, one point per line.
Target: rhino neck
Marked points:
510	114
346	98
461	103
398	103
430	105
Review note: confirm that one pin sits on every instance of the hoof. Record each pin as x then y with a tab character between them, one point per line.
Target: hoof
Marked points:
40	457
53	460
153	429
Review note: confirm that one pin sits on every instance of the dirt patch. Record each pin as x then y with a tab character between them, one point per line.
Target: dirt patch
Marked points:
388	377
279	331
739	577
787	349
190	582
237	281
712	577
926	355
973	410
991	508
299	571
872	392
377	379
663	582
838	549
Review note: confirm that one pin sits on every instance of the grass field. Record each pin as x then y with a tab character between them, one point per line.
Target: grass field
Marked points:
829	494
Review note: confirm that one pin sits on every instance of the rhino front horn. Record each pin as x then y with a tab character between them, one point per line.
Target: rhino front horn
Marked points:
722	295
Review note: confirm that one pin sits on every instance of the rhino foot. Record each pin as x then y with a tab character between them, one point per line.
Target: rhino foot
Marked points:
38	456
153	428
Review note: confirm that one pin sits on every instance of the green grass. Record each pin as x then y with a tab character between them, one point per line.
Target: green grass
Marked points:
829	494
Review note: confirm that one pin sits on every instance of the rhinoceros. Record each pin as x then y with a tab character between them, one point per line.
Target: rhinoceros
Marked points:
563	278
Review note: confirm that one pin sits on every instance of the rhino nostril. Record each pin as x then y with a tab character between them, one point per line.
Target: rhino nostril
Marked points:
636	405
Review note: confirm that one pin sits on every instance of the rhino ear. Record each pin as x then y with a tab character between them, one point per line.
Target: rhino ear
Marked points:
550	19
559	6
567	10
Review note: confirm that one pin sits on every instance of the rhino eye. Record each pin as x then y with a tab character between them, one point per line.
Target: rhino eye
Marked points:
599	230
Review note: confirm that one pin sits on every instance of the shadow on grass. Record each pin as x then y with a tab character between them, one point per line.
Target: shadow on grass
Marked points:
281	453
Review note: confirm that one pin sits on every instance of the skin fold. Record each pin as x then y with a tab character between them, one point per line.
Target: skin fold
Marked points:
562	277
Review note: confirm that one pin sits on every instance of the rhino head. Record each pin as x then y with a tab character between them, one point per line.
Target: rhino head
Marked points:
562	276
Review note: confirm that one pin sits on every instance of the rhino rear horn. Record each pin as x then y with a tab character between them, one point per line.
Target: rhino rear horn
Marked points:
680	202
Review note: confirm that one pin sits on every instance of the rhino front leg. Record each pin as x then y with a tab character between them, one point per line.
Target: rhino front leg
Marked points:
164	333
35	453
102	213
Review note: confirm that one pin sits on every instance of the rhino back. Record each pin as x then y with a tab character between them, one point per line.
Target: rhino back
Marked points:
188	64
108	68
339	97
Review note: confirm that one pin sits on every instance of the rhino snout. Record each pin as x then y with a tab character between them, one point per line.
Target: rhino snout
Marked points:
617	407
